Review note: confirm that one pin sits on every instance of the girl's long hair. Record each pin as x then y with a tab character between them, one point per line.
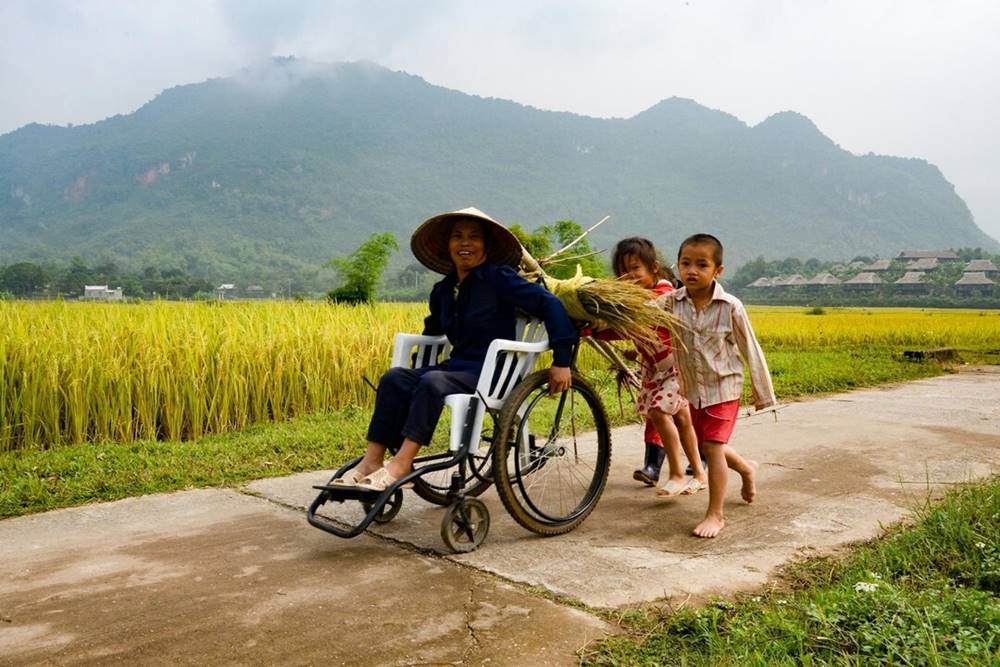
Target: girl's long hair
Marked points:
643	250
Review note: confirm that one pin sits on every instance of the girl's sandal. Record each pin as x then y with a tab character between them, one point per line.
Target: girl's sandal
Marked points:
671	488
693	486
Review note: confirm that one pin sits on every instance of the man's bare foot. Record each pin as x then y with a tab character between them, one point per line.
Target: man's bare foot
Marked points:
710	526
749	490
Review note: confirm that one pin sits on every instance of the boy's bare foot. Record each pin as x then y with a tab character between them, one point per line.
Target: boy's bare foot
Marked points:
710	526
749	490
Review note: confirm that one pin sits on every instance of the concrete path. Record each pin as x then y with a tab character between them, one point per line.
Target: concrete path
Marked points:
220	577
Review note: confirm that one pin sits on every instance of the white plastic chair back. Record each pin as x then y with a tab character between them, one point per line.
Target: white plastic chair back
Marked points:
507	363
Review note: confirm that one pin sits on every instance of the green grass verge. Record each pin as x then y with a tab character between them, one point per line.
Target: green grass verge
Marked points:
33	480
925	594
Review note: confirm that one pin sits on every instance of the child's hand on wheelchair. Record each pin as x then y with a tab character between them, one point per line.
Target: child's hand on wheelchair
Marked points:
560	379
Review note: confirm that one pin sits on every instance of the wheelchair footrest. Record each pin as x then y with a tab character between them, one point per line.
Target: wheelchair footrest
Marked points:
341	492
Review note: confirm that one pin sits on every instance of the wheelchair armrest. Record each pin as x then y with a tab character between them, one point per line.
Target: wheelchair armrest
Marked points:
501	345
518	364
403	346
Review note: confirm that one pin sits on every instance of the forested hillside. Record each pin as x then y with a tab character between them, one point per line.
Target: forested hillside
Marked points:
271	172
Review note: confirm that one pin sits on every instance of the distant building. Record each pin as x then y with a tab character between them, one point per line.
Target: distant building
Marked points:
974	283
855	265
923	264
101	293
793	280
256	292
879	265
761	282
226	292
822	280
984	266
863	281
940	255
912	283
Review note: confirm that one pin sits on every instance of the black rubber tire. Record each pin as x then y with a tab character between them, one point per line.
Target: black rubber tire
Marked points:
437	494
453	527
509	485
389	510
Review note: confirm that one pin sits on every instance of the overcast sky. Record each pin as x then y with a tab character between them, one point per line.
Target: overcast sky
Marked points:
913	78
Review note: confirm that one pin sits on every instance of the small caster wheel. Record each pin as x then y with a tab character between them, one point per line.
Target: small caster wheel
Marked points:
465	525
389	510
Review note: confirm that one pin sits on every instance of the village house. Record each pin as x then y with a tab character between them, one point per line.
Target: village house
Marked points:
793	280
101	293
940	255
226	292
879	265
256	292
864	281
984	266
761	282
923	264
821	280
974	283
912	283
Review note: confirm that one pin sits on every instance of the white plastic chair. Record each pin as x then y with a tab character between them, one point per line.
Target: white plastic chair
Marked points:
507	363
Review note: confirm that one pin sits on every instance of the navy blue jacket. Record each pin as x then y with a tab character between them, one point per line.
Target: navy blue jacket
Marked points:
485	309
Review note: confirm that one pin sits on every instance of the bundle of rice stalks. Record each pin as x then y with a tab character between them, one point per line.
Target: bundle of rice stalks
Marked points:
619	305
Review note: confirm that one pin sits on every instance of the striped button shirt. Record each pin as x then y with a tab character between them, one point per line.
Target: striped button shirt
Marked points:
713	340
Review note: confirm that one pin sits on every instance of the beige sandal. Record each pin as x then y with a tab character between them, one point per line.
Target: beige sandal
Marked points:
350	478
693	486
379	480
671	488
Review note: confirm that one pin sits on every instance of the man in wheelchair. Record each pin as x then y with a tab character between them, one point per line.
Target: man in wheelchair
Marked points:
475	303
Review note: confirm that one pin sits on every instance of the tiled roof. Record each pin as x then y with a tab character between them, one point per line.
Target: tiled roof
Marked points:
918	254
795	279
879	265
971	278
923	264
824	278
980	265
912	278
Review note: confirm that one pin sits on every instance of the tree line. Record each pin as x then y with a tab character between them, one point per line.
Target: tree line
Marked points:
28	279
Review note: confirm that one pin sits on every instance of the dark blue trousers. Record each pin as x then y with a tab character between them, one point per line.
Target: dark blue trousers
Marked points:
409	402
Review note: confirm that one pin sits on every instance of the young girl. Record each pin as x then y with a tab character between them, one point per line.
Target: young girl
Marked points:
660	400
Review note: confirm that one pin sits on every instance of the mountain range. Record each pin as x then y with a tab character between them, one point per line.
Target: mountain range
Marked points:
281	166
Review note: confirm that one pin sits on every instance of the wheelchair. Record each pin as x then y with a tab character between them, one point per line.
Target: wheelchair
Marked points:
548	456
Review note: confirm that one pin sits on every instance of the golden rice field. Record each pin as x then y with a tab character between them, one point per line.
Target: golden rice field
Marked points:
789	327
76	372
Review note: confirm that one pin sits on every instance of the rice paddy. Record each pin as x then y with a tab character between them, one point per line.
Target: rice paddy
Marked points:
72	373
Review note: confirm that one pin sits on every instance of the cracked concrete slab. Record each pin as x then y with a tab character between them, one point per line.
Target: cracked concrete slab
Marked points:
834	470
218	577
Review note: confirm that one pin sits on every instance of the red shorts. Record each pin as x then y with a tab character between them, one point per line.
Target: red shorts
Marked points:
715	423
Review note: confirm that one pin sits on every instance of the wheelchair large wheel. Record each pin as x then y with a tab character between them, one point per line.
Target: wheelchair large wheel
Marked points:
552	454
434	486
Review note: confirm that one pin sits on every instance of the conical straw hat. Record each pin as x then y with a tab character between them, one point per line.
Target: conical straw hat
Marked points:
429	242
